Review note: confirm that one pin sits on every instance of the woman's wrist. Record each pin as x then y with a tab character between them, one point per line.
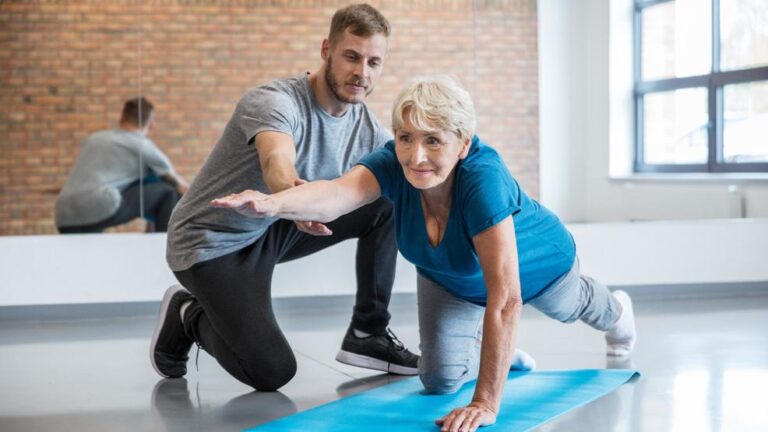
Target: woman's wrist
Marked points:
486	404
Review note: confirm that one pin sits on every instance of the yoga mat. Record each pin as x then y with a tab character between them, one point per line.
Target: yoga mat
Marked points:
530	399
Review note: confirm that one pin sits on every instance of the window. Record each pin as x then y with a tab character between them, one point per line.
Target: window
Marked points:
701	86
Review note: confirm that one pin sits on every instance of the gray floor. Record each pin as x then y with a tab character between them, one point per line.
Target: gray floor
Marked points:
704	364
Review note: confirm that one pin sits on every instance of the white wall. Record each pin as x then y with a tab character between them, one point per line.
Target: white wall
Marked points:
561	124
36	270
585	116
106	268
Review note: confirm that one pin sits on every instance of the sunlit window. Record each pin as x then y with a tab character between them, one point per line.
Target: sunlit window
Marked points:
701	85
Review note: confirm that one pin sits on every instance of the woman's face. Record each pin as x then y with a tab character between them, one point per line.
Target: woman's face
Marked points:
428	157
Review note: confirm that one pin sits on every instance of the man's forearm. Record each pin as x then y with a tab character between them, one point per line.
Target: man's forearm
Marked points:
279	174
175	180
171	179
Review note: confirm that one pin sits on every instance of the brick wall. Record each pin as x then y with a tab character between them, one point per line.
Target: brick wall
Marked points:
66	67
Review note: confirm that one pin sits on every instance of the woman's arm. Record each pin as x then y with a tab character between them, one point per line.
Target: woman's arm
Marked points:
497	249
321	201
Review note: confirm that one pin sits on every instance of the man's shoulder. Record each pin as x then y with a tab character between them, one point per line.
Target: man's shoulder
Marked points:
111	136
290	88
102	134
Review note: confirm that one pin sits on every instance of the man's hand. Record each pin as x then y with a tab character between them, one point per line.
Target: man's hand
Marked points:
249	203
467	419
311	227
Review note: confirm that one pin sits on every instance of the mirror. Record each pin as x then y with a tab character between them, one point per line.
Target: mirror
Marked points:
71	67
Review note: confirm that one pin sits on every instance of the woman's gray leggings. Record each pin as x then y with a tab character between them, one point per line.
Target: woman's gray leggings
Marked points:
451	329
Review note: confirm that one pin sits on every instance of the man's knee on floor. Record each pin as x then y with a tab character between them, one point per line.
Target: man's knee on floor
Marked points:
271	374
443	379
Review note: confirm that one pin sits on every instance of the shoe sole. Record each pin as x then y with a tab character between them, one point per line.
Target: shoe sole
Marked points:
366	362
169	293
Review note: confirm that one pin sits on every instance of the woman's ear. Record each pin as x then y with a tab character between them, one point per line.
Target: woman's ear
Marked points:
465	148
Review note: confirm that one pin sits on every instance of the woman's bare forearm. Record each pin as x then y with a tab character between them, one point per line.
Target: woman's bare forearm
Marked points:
322	201
497	250
497	350
319	201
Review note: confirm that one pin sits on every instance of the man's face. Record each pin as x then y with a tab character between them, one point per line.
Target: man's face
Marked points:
353	65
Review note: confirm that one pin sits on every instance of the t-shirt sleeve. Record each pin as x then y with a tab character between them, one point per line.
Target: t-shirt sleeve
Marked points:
264	109
155	159
489	194
383	164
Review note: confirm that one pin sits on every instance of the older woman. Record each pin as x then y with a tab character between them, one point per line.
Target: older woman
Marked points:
481	246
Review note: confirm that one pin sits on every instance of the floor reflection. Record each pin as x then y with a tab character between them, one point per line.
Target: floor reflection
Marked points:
704	366
179	411
355	386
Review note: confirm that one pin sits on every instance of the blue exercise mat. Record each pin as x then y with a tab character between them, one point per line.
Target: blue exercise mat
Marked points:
530	399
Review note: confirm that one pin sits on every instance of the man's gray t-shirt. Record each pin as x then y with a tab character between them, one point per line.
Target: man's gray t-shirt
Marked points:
108	162
326	147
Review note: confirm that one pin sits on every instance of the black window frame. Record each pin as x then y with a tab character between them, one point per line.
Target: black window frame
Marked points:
714	82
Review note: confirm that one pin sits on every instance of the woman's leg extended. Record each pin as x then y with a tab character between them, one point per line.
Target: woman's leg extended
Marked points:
451	332
575	296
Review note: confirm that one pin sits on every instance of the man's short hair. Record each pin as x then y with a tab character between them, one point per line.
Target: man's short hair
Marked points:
361	19
137	111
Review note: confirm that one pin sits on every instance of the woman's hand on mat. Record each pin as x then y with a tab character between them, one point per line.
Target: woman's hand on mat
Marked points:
311	227
467	419
250	203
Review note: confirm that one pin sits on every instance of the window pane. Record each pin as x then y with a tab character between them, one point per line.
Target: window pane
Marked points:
677	39
675	127
743	33
745	134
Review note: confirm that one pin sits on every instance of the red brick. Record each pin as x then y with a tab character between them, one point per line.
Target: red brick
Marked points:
205	53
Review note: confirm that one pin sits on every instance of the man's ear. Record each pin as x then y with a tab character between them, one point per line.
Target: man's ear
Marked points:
325	49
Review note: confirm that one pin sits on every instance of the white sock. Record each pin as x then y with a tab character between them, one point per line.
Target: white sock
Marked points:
360	334
522	361
621	337
183	309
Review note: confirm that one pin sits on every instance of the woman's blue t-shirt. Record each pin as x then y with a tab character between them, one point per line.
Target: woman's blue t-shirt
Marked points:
484	194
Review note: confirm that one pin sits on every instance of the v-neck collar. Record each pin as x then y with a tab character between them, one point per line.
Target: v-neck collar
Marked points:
423	221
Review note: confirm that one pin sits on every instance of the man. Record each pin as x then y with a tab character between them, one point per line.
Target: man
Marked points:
311	127
111	174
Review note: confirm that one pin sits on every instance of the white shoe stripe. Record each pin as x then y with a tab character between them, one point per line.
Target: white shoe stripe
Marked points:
362	361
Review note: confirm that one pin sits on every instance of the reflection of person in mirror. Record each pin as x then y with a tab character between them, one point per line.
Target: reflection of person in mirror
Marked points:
309	127
118	176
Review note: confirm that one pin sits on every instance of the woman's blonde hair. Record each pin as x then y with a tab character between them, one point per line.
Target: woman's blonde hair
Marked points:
435	102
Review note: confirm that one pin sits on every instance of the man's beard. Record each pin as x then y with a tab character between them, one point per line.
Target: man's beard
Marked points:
335	87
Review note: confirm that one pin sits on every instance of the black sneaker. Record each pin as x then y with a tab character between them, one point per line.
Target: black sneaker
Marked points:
385	353
170	346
